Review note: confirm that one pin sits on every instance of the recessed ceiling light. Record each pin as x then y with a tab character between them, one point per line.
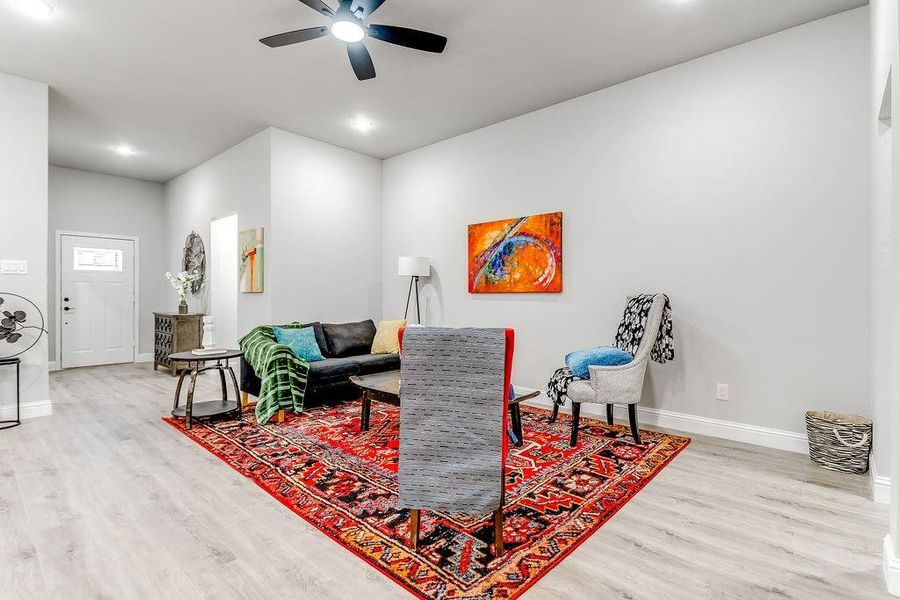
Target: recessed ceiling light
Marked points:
124	150
348	31
362	124
34	8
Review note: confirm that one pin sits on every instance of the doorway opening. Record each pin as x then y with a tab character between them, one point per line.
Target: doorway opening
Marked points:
223	281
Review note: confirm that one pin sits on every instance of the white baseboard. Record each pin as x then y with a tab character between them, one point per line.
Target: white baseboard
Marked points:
141	358
891	566
729	430
881	484
27	411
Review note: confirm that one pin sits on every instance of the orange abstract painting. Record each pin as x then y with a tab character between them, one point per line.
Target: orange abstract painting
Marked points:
516	255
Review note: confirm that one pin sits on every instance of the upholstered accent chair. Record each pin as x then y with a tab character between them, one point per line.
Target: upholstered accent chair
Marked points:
454	385
621	384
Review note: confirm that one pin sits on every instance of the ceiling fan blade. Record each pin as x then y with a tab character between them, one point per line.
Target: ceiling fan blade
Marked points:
361	61
295	37
319	6
368	6
410	38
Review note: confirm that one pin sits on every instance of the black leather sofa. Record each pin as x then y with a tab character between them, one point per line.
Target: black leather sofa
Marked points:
347	350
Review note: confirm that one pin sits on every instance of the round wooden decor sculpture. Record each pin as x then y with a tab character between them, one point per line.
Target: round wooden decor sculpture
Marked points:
195	260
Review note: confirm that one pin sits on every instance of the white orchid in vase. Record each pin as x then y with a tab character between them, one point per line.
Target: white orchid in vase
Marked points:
182	283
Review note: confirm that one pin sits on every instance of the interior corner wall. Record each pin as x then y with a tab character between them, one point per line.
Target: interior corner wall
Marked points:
885	68
321	209
93	203
238	181
737	183
23	197
885	214
326	207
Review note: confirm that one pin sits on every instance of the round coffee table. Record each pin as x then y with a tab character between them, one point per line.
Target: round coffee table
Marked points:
196	364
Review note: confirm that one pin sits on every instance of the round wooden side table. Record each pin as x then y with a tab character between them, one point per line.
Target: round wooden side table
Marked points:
196	364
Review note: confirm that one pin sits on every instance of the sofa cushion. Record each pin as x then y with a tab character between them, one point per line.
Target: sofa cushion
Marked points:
333	368
349	339
377	363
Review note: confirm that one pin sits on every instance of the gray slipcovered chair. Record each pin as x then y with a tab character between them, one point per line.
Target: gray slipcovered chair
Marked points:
621	384
453	444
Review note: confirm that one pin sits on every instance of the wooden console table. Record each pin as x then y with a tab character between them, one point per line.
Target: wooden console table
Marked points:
174	333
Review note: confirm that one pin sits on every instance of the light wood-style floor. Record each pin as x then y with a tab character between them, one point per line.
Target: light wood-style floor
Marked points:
104	500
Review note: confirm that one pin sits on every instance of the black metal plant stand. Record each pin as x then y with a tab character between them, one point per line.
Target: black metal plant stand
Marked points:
9	424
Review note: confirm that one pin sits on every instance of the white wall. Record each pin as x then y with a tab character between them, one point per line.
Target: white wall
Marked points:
321	207
325	255
238	181
23	201
736	183
93	203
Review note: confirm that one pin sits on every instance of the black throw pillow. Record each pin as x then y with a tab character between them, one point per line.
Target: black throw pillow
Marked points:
349	339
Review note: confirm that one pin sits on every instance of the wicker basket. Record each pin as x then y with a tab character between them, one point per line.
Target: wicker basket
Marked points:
839	442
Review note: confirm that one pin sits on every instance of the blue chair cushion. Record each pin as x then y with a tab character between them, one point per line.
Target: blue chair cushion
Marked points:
608	356
301	341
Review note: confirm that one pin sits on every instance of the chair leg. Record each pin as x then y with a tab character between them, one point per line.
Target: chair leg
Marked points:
498	532
279	418
555	413
609	413
632	418
414	519
576	420
245	399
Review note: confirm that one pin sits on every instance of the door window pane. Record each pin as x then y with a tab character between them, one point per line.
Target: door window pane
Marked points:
98	259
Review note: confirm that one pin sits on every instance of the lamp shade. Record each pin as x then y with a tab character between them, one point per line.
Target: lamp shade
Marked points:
413	266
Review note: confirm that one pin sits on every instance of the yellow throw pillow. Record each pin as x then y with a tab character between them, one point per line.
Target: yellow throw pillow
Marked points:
386	341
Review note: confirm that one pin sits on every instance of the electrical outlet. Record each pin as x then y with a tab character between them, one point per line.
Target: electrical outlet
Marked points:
722	392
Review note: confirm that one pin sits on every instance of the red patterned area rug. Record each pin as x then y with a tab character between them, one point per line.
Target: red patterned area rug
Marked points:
344	482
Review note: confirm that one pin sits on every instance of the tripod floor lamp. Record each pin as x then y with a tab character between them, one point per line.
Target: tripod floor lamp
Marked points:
413	267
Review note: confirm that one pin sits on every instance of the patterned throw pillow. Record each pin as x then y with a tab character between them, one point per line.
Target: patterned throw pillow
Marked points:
301	341
609	356
386	341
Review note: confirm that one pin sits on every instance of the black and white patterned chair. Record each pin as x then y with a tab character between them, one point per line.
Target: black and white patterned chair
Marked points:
621	384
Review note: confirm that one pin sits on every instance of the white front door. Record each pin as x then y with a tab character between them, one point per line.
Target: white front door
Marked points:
96	301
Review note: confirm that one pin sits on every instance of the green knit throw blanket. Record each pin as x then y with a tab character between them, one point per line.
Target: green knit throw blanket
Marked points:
283	375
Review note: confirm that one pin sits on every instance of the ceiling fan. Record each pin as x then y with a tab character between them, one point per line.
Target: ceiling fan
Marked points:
348	25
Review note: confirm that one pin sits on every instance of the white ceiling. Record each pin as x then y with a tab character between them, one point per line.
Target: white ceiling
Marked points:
182	80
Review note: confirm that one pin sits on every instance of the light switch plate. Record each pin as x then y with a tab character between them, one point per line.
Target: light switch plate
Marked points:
13	267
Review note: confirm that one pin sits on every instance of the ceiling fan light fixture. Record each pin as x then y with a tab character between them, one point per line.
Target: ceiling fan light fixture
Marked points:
348	31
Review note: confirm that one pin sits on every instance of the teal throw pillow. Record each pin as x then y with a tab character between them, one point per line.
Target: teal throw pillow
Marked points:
301	341
608	356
